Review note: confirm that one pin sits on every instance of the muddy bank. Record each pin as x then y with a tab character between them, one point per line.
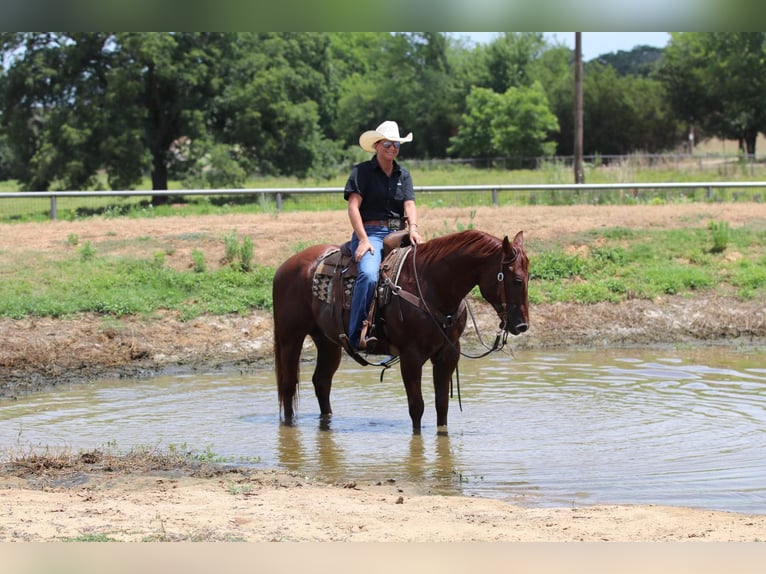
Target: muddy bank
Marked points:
39	353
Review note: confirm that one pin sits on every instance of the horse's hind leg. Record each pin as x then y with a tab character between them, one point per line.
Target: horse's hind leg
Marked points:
328	360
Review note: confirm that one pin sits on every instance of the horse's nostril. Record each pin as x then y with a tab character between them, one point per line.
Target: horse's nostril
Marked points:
522	327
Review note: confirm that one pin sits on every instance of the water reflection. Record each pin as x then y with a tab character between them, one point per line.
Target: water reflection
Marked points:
633	426
429	461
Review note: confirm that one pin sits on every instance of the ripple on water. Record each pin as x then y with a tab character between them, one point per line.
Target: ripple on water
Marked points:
683	427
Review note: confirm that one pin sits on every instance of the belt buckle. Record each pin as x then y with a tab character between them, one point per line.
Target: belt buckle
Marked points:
395	223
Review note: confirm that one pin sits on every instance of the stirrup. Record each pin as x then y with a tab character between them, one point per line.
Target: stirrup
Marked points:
368	343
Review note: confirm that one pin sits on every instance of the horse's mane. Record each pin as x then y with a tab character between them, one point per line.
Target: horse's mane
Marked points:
478	243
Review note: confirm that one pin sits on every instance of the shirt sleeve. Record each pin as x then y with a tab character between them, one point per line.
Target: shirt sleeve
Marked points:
352	184
408	190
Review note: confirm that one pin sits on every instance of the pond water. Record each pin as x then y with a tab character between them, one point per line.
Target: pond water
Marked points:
679	427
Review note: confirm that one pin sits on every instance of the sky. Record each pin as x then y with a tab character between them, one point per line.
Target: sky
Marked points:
593	43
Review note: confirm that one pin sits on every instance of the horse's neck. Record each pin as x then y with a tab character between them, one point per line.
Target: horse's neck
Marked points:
450	280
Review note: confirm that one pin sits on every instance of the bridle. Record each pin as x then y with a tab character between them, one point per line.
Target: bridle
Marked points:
502	309
443	322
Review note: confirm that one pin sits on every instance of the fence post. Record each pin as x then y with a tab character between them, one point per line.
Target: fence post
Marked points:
53	208
494	198
279	202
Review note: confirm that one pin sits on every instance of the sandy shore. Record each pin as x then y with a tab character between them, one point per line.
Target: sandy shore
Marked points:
272	506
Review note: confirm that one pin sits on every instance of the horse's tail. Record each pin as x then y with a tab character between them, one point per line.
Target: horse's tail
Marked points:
286	394
285	360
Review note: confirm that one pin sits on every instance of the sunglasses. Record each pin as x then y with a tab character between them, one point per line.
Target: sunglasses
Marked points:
387	144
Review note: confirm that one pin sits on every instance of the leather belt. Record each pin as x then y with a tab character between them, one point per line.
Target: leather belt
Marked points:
394	223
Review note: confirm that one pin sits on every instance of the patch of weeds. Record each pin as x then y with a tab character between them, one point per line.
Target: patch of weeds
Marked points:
112	326
90	538
198	261
236	489
552	265
158	260
749	278
721	233
87	252
73	239
246	255
234	252
230	247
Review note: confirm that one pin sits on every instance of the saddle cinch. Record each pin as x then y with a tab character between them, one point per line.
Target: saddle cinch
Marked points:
336	273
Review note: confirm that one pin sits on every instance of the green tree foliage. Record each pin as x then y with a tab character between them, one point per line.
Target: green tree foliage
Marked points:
517	123
74	104
642	61
54	96
408	80
716	81
78	110
278	102
625	112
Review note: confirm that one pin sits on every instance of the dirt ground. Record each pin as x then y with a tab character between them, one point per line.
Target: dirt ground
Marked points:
88	500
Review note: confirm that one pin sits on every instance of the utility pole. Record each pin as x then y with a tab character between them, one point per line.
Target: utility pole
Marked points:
578	129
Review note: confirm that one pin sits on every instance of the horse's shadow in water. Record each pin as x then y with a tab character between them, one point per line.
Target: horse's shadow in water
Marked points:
422	322
319	452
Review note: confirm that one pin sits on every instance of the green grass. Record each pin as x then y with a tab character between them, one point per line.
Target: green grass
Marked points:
611	264
117	286
90	538
647	264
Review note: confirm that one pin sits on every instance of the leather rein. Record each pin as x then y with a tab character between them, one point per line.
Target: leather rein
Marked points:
444	322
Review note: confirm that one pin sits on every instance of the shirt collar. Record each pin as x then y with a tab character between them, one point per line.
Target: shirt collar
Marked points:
377	165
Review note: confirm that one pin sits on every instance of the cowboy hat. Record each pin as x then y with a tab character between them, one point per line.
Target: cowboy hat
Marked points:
386	131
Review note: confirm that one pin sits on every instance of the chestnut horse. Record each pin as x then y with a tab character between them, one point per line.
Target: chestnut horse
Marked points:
424	325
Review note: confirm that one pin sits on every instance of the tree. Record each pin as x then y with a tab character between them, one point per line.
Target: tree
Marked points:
74	104
518	123
278	102
717	82
409	80
53	101
160	86
640	61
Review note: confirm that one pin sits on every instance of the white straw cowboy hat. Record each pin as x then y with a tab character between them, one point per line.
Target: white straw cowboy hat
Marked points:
385	131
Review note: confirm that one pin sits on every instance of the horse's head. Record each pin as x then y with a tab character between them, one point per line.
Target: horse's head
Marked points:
505	286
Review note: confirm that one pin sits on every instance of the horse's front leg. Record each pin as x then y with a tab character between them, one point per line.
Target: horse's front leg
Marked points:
444	367
412	372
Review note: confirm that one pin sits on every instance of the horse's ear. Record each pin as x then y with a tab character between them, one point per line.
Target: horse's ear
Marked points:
518	241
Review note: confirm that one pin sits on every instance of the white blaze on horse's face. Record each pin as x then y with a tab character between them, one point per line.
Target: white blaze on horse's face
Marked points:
513	280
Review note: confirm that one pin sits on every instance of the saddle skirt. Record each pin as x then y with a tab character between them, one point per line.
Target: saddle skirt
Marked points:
336	271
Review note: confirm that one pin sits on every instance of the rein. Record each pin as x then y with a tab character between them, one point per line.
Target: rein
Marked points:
446	322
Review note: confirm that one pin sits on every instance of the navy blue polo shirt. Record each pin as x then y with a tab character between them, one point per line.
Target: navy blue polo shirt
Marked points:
382	196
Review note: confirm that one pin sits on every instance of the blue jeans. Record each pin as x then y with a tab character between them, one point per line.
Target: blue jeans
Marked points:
366	280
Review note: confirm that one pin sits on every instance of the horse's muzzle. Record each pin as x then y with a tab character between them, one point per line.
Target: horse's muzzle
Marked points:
518	329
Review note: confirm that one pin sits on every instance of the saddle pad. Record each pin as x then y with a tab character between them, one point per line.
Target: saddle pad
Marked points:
334	266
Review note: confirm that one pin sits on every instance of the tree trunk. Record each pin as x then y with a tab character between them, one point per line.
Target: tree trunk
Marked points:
750	136
159	178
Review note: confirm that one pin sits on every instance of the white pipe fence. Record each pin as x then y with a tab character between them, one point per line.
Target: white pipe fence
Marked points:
278	192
